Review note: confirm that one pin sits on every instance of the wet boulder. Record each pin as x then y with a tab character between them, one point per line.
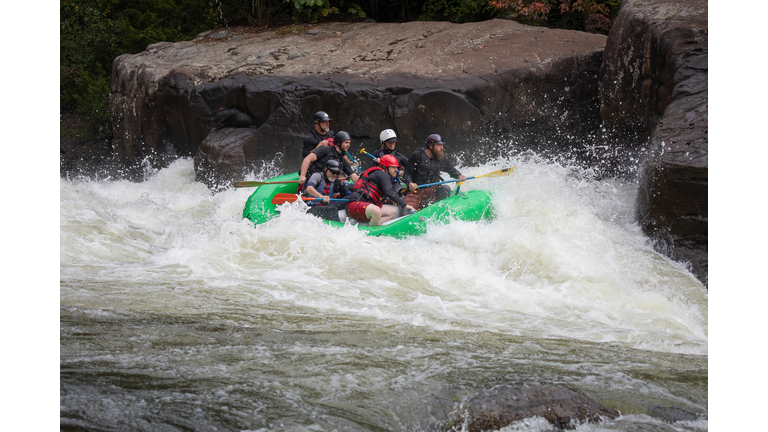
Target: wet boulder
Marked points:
502	405
672	200
463	81
654	82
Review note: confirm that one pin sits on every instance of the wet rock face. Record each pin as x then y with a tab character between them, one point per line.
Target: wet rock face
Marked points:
505	404
672	203
656	53
654	81
240	97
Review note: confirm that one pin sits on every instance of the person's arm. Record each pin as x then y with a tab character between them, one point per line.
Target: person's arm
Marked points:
376	158
325	142
314	181
312	191
410	169
450	169
403	162
350	162
348	170
305	166
385	185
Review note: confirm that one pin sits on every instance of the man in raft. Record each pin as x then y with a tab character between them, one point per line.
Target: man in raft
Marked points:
319	157
366	203
326	185
424	167
318	135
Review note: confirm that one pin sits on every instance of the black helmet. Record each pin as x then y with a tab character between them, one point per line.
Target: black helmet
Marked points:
321	116
333	165
434	139
340	137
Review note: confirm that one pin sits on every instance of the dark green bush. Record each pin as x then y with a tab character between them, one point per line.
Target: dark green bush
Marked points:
458	11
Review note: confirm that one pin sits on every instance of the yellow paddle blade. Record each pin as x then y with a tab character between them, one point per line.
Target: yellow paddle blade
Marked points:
500	173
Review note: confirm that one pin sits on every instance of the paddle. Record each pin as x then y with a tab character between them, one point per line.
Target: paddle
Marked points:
283	198
351	159
500	173
245	184
366	153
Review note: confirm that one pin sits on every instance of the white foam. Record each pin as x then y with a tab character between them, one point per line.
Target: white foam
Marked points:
563	258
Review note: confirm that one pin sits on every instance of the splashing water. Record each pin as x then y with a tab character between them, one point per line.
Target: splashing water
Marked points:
181	313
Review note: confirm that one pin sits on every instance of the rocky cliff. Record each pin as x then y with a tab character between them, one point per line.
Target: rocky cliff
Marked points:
233	98
654	80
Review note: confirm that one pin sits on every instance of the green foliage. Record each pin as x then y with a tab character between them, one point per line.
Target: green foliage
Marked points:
311	10
355	9
459	11
93	32
88	39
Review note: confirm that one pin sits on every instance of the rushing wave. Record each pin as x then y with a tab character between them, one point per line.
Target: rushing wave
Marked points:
562	261
563	258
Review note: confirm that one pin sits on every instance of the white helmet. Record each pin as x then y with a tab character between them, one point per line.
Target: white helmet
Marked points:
387	134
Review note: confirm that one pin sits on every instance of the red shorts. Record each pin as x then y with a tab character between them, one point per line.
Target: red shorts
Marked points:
356	210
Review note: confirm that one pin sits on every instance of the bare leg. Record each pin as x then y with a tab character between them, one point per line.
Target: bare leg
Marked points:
374	213
388	212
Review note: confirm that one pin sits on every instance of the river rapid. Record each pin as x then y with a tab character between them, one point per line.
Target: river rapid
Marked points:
177	314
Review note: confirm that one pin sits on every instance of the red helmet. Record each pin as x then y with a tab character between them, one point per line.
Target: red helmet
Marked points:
388	161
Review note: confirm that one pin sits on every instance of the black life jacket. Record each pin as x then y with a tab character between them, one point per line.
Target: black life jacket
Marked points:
427	170
368	190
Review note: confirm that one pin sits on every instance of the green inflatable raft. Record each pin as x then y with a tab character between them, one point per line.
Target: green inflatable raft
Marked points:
466	206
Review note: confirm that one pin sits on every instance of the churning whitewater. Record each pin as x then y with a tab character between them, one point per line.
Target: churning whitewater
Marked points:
177	313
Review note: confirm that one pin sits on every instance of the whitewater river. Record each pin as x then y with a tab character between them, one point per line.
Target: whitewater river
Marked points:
177	314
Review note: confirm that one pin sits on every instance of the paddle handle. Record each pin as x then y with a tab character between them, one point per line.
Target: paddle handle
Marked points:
366	153
446	181
359	170
500	173
320	199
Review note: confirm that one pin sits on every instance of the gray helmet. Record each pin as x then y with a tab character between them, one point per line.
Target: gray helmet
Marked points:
434	139
321	116
340	137
333	165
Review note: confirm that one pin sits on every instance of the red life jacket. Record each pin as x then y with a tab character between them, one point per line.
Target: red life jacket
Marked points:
326	188
368	189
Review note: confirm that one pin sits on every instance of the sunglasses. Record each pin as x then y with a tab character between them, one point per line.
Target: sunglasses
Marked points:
390	141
